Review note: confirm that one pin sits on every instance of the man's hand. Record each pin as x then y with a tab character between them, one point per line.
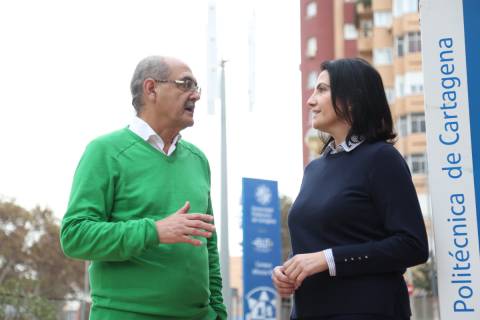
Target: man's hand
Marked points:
180	227
284	286
301	266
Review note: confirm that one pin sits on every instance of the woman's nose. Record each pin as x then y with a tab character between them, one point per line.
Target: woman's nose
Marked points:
311	100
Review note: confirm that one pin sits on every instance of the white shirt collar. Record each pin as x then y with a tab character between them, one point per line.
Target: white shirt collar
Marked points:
345	146
144	131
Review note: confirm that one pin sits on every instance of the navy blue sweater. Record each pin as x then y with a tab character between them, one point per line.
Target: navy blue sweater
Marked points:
363	205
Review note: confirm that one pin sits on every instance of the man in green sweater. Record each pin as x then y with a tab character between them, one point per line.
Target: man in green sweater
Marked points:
140	208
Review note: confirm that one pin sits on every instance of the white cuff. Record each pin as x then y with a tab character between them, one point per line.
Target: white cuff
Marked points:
330	262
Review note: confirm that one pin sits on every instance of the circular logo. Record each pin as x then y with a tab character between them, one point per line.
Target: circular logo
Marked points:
261	303
263	195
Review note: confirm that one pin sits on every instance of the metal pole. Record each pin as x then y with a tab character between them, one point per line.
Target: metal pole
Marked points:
224	252
212	61
251	62
83	311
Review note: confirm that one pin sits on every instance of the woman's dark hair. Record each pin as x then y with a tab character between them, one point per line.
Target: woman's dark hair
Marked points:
358	96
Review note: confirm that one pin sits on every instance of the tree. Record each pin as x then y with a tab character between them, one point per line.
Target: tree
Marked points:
33	270
423	277
285	205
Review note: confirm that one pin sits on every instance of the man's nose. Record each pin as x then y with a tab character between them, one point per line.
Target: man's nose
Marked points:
194	95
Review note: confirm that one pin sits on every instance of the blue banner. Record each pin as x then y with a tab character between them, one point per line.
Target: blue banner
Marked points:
261	248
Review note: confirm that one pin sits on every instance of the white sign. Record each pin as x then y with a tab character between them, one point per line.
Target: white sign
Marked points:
451	105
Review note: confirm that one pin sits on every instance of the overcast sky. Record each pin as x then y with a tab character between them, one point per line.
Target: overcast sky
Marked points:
65	68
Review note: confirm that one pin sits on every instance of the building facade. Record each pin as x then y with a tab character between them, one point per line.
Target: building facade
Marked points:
396	53
387	34
328	31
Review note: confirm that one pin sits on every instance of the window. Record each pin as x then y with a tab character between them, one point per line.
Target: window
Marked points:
366	27
417	163
409	6
402	126
401	7
411	123
382	19
418	122
397	8
399	86
311	9
414	42
311	47
310	118
350	32
312	79
382	56
400	46
410	43
413	83
416	88
390	93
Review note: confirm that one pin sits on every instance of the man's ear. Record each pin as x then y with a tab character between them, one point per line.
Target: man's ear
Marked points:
149	88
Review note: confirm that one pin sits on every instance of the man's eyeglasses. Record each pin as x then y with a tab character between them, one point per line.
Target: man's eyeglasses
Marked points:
184	85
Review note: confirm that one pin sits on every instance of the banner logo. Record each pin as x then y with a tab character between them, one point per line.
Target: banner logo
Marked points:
262	304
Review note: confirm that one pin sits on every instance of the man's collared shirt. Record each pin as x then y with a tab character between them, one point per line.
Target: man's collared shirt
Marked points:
144	131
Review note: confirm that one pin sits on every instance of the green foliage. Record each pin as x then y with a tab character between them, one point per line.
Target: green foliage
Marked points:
422	276
366	3
285	205
33	270
17	302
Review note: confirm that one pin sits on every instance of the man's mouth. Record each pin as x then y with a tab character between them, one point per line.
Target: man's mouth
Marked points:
189	108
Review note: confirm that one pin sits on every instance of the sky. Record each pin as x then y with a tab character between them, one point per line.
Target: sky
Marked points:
65	70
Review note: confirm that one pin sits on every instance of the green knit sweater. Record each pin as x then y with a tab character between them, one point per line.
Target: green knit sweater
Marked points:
122	185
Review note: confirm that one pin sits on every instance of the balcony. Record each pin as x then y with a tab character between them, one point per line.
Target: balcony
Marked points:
420	182
407	104
409	22
364	10
386	72
382	5
364	43
412	143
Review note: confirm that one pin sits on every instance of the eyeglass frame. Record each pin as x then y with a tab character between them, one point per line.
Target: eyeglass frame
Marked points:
180	83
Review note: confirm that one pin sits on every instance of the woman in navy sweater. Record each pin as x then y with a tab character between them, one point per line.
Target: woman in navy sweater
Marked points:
356	224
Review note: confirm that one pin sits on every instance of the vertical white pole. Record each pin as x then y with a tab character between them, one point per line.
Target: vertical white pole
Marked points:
251	62
224	251
86	292
212	62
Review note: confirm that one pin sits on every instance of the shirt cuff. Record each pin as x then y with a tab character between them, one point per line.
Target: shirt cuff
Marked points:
330	262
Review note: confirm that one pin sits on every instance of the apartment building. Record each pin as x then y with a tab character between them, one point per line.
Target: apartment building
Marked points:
328	31
396	53
387	34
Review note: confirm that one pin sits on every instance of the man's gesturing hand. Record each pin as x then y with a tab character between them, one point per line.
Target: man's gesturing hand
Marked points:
180	227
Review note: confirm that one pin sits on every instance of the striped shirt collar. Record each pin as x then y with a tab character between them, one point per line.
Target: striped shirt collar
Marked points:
345	146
